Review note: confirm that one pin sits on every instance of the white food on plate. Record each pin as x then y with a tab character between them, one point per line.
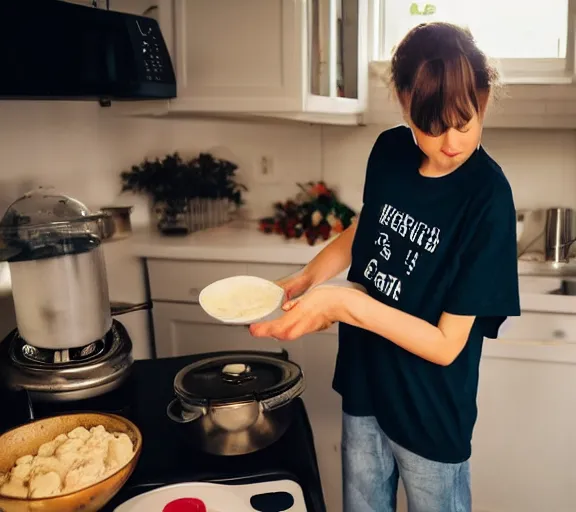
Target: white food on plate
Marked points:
68	463
241	297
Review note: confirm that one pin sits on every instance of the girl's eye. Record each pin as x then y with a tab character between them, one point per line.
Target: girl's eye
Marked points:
464	129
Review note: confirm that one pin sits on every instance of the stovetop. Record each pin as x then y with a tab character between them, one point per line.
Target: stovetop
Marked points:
69	374
168	455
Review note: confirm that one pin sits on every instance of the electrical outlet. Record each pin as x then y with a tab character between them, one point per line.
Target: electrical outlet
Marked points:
265	172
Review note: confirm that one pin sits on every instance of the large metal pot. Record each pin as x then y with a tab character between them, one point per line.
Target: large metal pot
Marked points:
236	404
52	244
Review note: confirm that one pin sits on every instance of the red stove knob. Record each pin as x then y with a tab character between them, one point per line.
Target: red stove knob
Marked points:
185	505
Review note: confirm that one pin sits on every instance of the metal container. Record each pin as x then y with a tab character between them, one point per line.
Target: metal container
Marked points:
559	234
52	244
116	224
236	404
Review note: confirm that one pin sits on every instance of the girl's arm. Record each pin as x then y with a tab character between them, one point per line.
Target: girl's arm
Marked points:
332	260
324	306
440	345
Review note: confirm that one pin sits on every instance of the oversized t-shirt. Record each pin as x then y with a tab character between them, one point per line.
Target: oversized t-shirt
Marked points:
427	246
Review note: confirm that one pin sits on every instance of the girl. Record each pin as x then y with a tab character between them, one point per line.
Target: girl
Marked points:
435	248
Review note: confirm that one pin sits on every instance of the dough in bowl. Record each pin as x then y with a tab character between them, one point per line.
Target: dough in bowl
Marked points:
68	463
241	299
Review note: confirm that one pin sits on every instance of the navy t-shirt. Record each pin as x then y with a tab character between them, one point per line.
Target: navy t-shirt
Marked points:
427	246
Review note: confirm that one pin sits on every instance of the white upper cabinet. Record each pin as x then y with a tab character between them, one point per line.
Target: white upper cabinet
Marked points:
294	59
532	45
298	59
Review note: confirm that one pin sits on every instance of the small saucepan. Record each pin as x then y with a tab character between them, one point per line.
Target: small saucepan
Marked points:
234	404
116	223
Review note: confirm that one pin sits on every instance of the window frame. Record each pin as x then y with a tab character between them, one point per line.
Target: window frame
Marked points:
512	71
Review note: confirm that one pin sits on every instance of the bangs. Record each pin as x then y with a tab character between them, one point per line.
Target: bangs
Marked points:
443	95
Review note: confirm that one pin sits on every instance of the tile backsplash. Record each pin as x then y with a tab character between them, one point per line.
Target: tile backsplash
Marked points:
81	150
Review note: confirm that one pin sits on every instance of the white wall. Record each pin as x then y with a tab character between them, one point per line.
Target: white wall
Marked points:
81	150
540	164
294	150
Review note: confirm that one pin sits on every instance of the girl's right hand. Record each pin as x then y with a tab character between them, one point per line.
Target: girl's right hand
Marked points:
295	285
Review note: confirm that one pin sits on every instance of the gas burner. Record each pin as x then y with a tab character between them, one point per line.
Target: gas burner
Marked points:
67	375
72	356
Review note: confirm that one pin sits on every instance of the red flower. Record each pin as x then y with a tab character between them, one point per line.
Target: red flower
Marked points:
320	189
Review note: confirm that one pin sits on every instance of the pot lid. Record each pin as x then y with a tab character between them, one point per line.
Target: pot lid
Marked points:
231	378
45	207
42	223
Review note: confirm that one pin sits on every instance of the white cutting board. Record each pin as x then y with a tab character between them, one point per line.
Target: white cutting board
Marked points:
216	497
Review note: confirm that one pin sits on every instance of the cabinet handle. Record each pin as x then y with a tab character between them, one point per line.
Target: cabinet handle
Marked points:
559	334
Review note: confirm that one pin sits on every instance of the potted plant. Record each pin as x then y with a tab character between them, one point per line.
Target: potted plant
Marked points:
186	195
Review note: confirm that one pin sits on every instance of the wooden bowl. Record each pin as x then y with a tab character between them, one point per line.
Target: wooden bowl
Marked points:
27	439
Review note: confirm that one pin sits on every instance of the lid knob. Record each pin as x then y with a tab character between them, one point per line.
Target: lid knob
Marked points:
236	369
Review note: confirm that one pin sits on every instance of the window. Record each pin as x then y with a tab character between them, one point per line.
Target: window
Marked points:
529	37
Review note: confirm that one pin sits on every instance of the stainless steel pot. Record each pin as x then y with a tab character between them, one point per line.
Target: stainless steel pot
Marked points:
52	244
236	404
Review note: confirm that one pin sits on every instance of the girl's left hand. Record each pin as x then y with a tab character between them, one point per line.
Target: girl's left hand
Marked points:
315	311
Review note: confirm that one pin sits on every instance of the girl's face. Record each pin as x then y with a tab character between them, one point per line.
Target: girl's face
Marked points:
448	151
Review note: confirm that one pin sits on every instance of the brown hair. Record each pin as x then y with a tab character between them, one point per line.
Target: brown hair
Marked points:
441	77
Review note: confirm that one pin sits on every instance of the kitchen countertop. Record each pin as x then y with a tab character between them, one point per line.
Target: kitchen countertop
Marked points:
242	242
234	242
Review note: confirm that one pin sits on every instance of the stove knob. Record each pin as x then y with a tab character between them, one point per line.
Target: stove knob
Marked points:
185	505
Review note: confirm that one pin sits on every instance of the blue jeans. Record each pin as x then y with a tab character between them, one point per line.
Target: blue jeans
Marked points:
372	464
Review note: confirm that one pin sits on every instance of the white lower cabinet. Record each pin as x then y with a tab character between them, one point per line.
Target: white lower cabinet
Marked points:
184	329
324	409
525	439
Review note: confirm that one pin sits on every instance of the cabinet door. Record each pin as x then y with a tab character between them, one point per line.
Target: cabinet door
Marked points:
525	439
239	55
338	64
184	329
323	404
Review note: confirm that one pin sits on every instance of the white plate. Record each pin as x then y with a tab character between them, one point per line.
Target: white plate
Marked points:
226	301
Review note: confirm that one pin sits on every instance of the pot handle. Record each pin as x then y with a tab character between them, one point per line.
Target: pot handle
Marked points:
283	398
179	417
121	308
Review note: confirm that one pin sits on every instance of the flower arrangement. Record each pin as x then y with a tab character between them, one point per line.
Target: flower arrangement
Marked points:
174	180
187	195
315	214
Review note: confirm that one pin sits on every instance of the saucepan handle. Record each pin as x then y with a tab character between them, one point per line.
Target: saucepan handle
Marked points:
179	415
121	308
278	401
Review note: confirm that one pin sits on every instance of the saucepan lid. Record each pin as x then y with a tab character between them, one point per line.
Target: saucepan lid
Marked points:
235	378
